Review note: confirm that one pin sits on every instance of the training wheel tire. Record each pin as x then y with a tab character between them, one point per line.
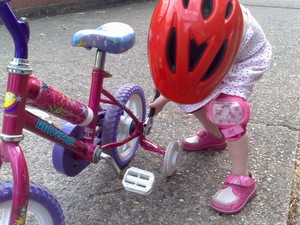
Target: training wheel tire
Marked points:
171	158
65	161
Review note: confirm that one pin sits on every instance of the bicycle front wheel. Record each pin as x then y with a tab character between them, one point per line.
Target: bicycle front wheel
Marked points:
118	125
43	208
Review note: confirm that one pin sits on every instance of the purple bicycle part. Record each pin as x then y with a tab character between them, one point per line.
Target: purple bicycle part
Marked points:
64	161
115	129
19	30
39	195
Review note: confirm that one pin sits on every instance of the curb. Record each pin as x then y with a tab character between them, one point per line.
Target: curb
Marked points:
63	8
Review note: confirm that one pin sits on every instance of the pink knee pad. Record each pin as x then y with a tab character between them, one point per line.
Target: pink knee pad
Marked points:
231	114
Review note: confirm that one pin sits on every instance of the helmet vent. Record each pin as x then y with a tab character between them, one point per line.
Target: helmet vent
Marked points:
196	52
207	8
185	3
217	61
229	10
171	50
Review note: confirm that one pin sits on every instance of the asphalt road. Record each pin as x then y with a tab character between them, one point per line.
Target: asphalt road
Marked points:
96	196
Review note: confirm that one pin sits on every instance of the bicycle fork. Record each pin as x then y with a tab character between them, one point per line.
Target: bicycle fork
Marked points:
12	133
10	151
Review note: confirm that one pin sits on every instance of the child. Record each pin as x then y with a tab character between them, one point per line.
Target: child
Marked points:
206	55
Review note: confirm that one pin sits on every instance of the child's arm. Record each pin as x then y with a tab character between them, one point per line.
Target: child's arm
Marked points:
159	104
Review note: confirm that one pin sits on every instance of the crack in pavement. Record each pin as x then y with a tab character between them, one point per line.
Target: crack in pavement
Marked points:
294	210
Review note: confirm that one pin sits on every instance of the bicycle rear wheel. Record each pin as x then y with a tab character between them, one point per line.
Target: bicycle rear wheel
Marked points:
118	125
43	208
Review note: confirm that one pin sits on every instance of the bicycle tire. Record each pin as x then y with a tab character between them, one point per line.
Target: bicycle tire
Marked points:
42	205
116	128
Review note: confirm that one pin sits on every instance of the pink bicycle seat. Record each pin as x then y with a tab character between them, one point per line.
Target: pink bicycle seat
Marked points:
111	37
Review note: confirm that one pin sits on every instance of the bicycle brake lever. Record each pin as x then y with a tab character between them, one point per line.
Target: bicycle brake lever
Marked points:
149	121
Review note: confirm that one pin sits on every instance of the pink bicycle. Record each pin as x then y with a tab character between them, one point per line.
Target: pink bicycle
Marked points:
110	127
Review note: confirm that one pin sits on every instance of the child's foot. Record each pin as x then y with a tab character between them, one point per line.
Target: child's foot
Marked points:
236	192
203	140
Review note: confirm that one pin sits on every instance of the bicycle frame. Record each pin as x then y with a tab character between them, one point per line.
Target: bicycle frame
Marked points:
84	149
23	88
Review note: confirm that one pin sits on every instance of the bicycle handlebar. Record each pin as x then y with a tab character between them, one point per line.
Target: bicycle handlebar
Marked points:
18	29
152	110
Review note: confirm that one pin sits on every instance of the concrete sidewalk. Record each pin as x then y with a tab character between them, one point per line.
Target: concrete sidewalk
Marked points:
96	196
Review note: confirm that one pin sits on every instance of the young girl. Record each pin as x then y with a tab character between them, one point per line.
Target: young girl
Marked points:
206	55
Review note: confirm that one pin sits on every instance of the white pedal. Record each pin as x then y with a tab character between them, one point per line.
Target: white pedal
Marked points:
138	181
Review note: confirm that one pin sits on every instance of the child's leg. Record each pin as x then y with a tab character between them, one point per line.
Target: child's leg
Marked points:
239	187
238	151
231	115
208	126
208	138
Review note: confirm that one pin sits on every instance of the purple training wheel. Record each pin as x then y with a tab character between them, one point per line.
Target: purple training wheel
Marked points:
64	160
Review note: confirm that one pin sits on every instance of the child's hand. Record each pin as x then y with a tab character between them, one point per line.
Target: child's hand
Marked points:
159	104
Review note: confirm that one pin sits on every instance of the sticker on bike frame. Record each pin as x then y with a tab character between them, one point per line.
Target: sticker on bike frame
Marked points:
11	102
54	132
22	218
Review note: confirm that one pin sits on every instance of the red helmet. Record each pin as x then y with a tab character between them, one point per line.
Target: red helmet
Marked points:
192	45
